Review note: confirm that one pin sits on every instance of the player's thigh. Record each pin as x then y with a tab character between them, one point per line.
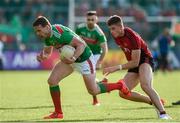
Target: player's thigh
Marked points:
60	71
91	85
131	80
88	71
145	75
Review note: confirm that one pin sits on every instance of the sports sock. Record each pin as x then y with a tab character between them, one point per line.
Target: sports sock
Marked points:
95	99
162	112
107	87
55	95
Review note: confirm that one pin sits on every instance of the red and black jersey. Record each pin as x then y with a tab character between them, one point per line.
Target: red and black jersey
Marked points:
132	41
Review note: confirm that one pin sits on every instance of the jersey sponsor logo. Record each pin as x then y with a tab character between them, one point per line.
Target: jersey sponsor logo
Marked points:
89	40
89	35
83	33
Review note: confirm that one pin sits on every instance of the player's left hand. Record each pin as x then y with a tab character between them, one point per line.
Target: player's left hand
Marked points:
110	69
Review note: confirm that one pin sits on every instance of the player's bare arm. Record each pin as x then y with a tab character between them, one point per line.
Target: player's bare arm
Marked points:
131	64
45	53
79	46
104	51
135	60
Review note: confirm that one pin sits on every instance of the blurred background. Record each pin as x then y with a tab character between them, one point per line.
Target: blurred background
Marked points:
19	46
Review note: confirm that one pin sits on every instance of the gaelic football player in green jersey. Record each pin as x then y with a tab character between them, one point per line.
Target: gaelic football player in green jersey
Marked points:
55	36
95	39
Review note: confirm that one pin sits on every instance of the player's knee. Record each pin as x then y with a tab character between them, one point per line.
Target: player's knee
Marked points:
92	92
52	81
145	86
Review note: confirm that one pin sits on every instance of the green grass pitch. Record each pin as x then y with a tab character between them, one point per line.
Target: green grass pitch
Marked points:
24	96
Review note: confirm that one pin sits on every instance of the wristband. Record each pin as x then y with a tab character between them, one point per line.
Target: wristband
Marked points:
120	67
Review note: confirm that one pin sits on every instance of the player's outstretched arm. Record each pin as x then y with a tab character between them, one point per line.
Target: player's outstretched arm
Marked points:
130	64
45	53
103	54
134	62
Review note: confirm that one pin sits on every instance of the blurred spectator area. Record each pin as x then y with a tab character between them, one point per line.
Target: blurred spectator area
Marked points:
150	17
140	10
129	7
17	16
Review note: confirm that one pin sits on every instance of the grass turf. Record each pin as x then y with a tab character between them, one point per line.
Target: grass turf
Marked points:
24	96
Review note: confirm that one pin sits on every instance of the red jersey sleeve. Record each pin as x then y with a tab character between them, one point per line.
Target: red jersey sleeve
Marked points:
134	38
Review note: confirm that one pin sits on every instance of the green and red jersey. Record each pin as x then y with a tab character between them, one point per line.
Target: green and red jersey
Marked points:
61	35
93	37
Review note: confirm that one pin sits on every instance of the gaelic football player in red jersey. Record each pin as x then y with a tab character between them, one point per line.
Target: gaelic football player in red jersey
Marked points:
140	65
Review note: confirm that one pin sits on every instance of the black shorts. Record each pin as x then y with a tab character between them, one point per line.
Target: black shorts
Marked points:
150	61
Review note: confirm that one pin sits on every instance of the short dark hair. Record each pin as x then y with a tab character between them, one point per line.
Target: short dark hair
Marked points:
115	19
41	20
90	13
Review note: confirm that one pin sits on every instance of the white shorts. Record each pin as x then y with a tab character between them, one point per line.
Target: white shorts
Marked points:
96	57
86	67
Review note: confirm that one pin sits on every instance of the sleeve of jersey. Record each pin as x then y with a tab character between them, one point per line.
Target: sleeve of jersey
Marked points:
134	39
62	35
77	30
101	37
67	37
47	43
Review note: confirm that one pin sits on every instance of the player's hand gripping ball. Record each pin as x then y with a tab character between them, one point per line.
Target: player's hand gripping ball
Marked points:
67	51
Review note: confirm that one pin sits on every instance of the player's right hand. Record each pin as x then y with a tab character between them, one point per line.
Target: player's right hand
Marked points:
39	58
109	70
